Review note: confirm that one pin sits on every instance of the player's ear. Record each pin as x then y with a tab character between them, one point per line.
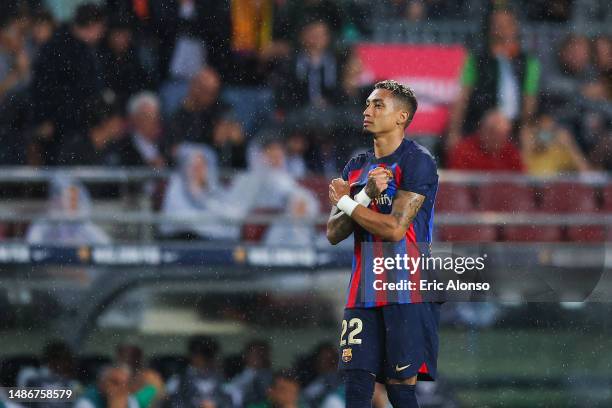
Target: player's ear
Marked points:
403	117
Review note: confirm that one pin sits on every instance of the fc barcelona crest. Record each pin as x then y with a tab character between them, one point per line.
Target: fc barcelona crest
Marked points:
347	355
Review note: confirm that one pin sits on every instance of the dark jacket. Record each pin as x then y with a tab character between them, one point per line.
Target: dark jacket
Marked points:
66	76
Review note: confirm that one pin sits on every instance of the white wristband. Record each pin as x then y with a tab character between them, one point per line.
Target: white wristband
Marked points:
363	198
347	205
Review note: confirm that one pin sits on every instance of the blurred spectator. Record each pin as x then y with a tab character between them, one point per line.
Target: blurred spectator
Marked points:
548	149
14	58
297	146
194	190
284	392
42	29
600	89
502	77
354	88
67	75
228	141
489	149
145	143
113	390
311	79
67	198
565	80
96	144
192	34
251	384
199	386
302	13
200	111
299	230
145	383
57	372
420	10
602	50
268	183
597	139
557	11
327	379
123	72
256	39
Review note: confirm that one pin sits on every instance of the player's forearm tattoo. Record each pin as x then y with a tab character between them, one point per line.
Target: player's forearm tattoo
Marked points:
371	189
339	226
405	207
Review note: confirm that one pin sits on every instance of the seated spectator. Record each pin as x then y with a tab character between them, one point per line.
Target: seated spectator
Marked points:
144	382
96	144
602	50
311	79
268	183
250	385
284	392
297	146
65	79
489	149
43	27
122	70
67	198
144	145
229	142
191	35
300	228
548	149
256	34
57	372
300	13
201	110
113	390
14	59
502	77
572	71
194	190
200	385
327	380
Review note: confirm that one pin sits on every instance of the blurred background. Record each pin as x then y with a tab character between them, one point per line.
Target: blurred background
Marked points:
164	170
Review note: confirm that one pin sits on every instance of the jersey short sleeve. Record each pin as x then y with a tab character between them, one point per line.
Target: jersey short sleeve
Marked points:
419	173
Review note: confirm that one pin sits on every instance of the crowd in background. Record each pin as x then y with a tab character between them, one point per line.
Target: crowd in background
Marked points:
275	88
202	377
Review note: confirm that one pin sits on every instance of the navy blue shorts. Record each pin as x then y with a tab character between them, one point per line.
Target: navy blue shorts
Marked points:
395	341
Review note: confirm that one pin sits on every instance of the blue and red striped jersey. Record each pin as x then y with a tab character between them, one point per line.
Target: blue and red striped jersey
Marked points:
414	170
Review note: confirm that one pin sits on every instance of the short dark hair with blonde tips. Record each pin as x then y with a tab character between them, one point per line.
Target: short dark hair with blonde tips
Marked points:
403	93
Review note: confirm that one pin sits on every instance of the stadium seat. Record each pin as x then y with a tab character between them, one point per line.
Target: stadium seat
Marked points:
252	232
506	197
467	233
567	198
168	365
586	233
319	187
10	367
532	233
607	198
453	197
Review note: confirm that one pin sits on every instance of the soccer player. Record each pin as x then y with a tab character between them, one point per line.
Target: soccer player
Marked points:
385	198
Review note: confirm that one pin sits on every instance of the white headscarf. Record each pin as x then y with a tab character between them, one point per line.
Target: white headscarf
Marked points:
182	199
300	230
75	232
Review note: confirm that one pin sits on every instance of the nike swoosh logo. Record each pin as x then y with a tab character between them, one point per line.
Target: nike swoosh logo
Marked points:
398	368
